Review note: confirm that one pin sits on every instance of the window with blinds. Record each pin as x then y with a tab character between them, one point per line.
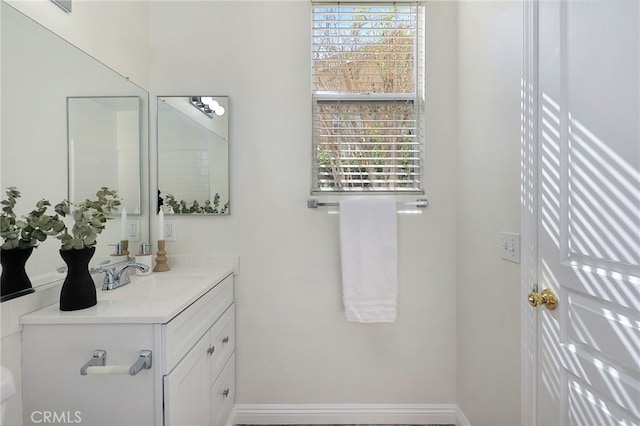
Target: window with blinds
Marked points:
367	97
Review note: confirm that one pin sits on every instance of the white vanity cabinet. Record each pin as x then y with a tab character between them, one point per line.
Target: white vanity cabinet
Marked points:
192	376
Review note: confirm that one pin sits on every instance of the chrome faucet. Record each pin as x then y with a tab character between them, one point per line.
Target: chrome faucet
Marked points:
114	278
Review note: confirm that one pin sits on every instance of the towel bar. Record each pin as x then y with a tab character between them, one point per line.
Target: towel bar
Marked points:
313	203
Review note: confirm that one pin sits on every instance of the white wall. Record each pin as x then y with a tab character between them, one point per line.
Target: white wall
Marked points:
488	302
114	32
294	344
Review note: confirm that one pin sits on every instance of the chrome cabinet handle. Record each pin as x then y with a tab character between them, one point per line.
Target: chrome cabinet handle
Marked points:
211	350
143	362
225	340
225	392
99	359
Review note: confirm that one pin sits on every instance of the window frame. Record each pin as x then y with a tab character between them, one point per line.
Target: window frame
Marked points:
416	97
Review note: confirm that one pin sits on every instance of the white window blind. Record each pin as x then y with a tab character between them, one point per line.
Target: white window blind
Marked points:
367	97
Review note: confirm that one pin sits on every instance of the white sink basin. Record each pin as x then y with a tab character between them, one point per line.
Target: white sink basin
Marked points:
155	287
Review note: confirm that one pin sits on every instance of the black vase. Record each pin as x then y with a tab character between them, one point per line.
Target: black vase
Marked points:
14	281
78	289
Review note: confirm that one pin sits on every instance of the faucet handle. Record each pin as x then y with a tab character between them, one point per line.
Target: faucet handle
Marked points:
118	251
109	278
99	267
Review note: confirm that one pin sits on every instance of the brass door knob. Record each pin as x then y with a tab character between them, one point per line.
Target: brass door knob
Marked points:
546	298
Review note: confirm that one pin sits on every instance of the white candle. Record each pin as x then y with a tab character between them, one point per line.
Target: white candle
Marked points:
161	225
125	235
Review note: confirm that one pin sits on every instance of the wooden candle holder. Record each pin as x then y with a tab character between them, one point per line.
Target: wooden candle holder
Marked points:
124	245
161	258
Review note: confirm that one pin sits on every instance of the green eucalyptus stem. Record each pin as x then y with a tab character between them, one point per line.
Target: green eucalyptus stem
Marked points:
29	231
183	207
89	219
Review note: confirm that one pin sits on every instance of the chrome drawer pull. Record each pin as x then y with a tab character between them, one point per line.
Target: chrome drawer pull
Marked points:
143	362
98	364
225	340
225	392
211	350
99	359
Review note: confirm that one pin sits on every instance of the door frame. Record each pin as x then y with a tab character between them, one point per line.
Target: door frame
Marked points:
529	160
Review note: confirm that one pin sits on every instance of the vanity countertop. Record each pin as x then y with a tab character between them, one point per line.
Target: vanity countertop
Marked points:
154	298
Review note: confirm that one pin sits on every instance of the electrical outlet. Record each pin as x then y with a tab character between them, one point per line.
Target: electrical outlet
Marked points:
133	230
169	230
511	247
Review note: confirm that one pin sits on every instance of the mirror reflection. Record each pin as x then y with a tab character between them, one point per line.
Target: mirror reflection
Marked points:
193	154
34	134
104	148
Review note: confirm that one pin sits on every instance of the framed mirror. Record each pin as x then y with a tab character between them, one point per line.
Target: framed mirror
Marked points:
193	155
40	72
104	148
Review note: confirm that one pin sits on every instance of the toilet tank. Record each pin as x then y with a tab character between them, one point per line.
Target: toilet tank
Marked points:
7	389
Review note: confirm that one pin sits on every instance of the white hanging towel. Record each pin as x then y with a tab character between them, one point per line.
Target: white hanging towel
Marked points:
369	256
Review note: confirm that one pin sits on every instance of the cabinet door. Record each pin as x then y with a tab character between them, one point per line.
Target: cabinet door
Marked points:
186	389
223	393
222	342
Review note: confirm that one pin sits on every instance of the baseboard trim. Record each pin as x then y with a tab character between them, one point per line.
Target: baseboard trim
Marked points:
282	414
461	419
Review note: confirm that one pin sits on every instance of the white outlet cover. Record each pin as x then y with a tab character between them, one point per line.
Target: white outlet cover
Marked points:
133	229
511	247
170	230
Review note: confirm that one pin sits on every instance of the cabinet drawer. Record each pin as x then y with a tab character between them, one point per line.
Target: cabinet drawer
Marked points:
223	393
181	333
223	342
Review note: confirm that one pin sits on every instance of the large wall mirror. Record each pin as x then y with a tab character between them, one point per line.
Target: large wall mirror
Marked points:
47	83
193	155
